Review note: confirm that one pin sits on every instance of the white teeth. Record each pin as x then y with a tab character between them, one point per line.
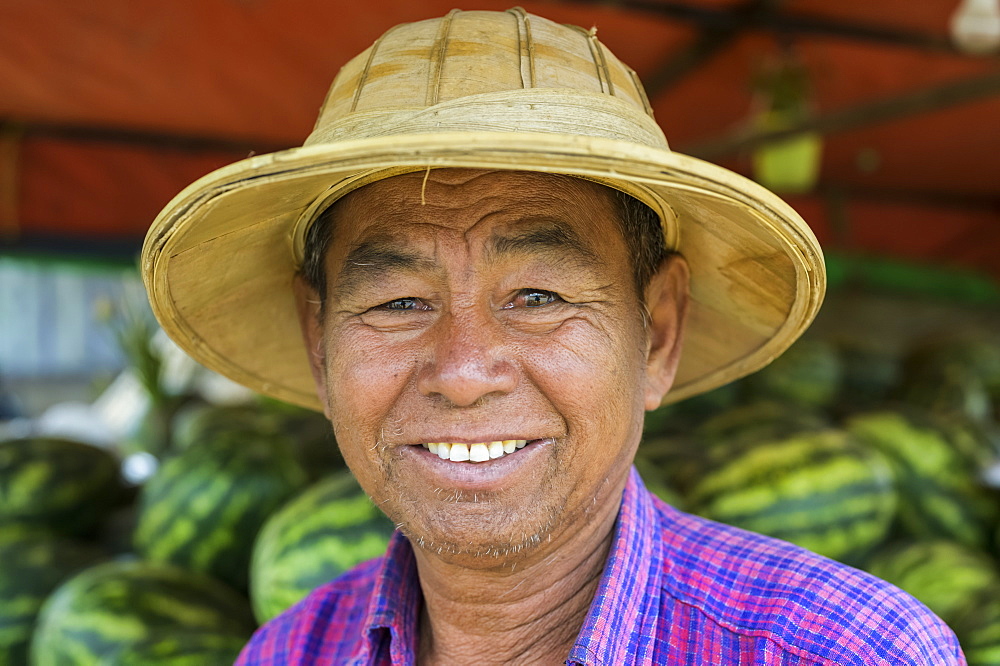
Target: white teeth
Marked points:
479	453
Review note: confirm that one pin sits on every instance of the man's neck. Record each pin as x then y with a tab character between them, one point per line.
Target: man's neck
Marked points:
528	611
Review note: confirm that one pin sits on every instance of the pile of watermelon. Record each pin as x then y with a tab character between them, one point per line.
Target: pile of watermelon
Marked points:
250	508
886	464
876	461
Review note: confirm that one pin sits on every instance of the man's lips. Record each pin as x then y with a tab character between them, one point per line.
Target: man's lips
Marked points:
492	474
477	452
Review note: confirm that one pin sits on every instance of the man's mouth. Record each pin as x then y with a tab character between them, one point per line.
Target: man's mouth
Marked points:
478	452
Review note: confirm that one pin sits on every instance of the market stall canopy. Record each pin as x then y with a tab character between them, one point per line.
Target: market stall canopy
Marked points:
109	109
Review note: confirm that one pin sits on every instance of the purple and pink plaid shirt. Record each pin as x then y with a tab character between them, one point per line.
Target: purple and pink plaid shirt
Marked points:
677	589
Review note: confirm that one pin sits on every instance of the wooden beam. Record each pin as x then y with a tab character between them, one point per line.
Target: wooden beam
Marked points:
714	36
10	143
918	102
958	201
139	137
786	24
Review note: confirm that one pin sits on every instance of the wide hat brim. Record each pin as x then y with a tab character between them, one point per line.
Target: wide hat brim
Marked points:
219	260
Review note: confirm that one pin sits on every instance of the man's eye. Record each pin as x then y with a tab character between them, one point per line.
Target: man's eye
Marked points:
403	304
533	298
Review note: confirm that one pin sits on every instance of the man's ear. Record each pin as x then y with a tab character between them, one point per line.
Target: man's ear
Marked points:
308	305
666	303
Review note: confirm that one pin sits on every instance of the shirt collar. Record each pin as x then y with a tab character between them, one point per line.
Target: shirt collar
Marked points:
395	605
622	608
634	565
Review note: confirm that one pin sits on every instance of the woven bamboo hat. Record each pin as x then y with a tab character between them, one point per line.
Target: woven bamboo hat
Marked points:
499	90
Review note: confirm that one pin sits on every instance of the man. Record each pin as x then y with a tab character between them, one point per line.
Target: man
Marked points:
490	249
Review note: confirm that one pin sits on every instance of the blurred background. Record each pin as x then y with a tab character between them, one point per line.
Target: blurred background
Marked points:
878	120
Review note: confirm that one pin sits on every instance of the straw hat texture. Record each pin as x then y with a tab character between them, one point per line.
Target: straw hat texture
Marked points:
477	89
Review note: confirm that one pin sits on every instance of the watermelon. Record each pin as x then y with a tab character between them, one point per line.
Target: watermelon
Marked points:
653	477
202	509
940	493
179	648
808	374
977	627
307	433
867	378
683	415
312	438
35	561
948	391
314	538
197	423
819	490
115	605
61	484
676	460
760	420
979	357
957	376
682	459
944	575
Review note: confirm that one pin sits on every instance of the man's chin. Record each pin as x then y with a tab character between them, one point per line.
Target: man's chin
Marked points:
477	541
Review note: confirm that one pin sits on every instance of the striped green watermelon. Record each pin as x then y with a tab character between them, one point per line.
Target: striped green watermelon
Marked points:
33	562
868	376
655	482
179	648
682	416
197	423
760	420
938	483
954	376
977	627
808	374
683	458
203	508
116	605
948	391
816	489
311	436
944	575
314	538
65	485
678	461
307	433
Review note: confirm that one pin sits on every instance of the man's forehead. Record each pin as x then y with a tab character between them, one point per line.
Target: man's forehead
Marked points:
398	225
462	197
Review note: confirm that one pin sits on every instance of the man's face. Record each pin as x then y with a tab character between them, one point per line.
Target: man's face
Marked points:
475	307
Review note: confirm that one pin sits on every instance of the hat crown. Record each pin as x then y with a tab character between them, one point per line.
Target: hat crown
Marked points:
487	71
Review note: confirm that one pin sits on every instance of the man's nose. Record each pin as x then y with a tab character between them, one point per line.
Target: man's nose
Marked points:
468	360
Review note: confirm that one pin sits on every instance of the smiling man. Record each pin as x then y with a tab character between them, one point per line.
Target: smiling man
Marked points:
483	267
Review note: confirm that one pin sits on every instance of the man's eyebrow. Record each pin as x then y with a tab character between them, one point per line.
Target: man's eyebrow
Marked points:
550	239
371	259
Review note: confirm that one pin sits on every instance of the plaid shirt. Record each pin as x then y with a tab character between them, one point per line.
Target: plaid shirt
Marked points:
677	589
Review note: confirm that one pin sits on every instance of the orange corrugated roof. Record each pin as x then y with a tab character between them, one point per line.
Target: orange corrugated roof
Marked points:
114	106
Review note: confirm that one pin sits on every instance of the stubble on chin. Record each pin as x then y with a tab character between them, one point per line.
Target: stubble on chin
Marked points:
486	530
